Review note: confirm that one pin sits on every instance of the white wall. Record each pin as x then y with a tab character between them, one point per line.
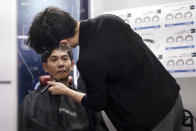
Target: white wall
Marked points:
100	6
188	85
8	68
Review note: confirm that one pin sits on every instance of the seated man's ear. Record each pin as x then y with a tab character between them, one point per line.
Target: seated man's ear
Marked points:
45	67
72	64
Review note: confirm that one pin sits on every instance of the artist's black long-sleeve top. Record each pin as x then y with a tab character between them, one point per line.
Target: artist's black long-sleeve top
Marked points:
122	75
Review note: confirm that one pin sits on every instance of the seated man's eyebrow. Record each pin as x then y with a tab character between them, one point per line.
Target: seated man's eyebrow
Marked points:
53	57
64	56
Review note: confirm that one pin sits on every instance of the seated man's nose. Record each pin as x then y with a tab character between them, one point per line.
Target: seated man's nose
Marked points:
60	66
60	63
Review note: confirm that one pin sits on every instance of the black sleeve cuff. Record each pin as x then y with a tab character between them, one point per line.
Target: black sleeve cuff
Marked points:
84	101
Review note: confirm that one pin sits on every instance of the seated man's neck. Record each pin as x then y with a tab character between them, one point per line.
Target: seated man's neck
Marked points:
63	80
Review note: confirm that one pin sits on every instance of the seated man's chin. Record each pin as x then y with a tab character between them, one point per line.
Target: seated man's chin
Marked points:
62	78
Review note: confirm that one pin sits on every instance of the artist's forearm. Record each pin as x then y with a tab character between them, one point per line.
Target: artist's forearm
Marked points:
75	95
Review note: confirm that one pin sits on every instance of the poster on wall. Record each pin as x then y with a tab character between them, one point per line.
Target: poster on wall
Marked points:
29	62
169	30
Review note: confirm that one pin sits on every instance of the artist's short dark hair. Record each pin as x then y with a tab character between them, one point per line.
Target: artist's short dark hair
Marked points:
47	54
49	27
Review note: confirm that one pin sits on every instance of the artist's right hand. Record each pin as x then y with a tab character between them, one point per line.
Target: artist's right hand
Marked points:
60	89
57	88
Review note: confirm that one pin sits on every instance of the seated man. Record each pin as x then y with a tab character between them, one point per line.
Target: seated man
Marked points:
40	111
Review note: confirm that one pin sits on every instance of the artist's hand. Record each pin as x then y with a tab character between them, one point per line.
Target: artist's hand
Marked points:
60	89
57	88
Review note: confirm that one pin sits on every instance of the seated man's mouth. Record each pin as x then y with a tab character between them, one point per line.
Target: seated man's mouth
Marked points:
61	71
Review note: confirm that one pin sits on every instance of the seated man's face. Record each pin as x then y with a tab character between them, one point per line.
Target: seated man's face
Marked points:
59	65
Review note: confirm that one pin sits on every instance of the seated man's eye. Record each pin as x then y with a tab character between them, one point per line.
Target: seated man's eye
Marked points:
53	60
64	58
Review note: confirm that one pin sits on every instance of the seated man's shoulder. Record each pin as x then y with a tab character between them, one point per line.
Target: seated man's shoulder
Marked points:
36	96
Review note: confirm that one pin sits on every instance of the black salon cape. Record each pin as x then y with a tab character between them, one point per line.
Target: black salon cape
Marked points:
44	112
